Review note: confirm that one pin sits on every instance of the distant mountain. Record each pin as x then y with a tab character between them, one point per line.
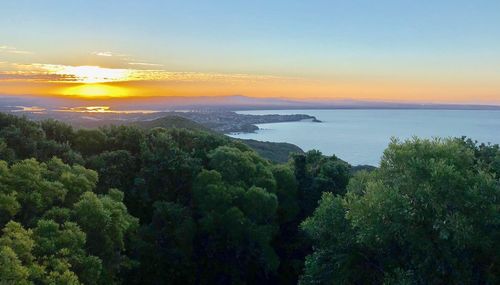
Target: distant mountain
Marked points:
235	102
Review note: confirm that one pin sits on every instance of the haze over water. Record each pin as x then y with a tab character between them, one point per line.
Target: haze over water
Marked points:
360	136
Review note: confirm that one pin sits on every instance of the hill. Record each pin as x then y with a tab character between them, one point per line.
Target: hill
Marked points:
277	152
172	121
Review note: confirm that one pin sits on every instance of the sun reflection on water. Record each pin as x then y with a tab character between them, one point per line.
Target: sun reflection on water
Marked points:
103	109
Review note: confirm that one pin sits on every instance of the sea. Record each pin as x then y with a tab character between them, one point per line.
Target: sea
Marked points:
360	136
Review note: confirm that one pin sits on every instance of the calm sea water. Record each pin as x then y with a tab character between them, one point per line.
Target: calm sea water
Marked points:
360	136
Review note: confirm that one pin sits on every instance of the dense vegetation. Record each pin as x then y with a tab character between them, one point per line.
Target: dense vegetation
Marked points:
123	204
428	215
274	151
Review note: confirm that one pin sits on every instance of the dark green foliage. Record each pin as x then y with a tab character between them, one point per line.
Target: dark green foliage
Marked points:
486	154
210	209
428	215
6	153
299	192
106	222
166	248
21	135
276	152
21	139
57	131
316	174
289	243
235	230
242	168
166	174
89	141
178	206
128	138
53	231
116	169
358	168
172	121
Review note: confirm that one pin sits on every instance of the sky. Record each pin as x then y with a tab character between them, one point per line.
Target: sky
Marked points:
420	51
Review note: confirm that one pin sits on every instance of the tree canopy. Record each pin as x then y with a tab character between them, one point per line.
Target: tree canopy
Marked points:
130	205
428	215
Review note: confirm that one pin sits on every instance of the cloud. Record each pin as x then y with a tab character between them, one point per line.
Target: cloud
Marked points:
108	54
64	73
144	64
126	59
102	53
94	74
26	76
13	50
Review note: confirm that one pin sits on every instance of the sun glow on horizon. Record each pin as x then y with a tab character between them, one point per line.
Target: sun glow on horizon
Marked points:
95	91
96	82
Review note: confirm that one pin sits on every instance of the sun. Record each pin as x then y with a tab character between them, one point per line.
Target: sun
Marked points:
95	91
93	74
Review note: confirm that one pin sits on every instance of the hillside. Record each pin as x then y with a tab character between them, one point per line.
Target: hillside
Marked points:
277	152
172	121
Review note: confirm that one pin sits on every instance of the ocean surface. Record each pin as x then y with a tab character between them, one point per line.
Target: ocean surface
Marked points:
360	136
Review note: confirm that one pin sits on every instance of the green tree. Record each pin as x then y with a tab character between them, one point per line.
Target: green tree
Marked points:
429	215
316	174
49	254
107	224
60	251
166	174
19	240
117	169
487	154
126	138
166	250
20	135
6	153
235	230
57	131
11	269
290	244
56	229
89	141
242	168
9	206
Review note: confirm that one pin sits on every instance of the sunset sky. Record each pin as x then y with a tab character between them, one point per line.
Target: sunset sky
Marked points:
400	50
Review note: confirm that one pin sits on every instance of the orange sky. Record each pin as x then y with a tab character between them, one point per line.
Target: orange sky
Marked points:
96	82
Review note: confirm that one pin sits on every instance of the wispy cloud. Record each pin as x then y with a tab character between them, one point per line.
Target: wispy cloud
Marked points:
144	64
108	54
126	59
63	73
13	50
95	74
103	53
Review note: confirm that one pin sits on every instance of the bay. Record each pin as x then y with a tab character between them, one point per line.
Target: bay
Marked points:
360	136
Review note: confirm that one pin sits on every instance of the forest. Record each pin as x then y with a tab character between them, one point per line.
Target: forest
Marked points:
131	205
